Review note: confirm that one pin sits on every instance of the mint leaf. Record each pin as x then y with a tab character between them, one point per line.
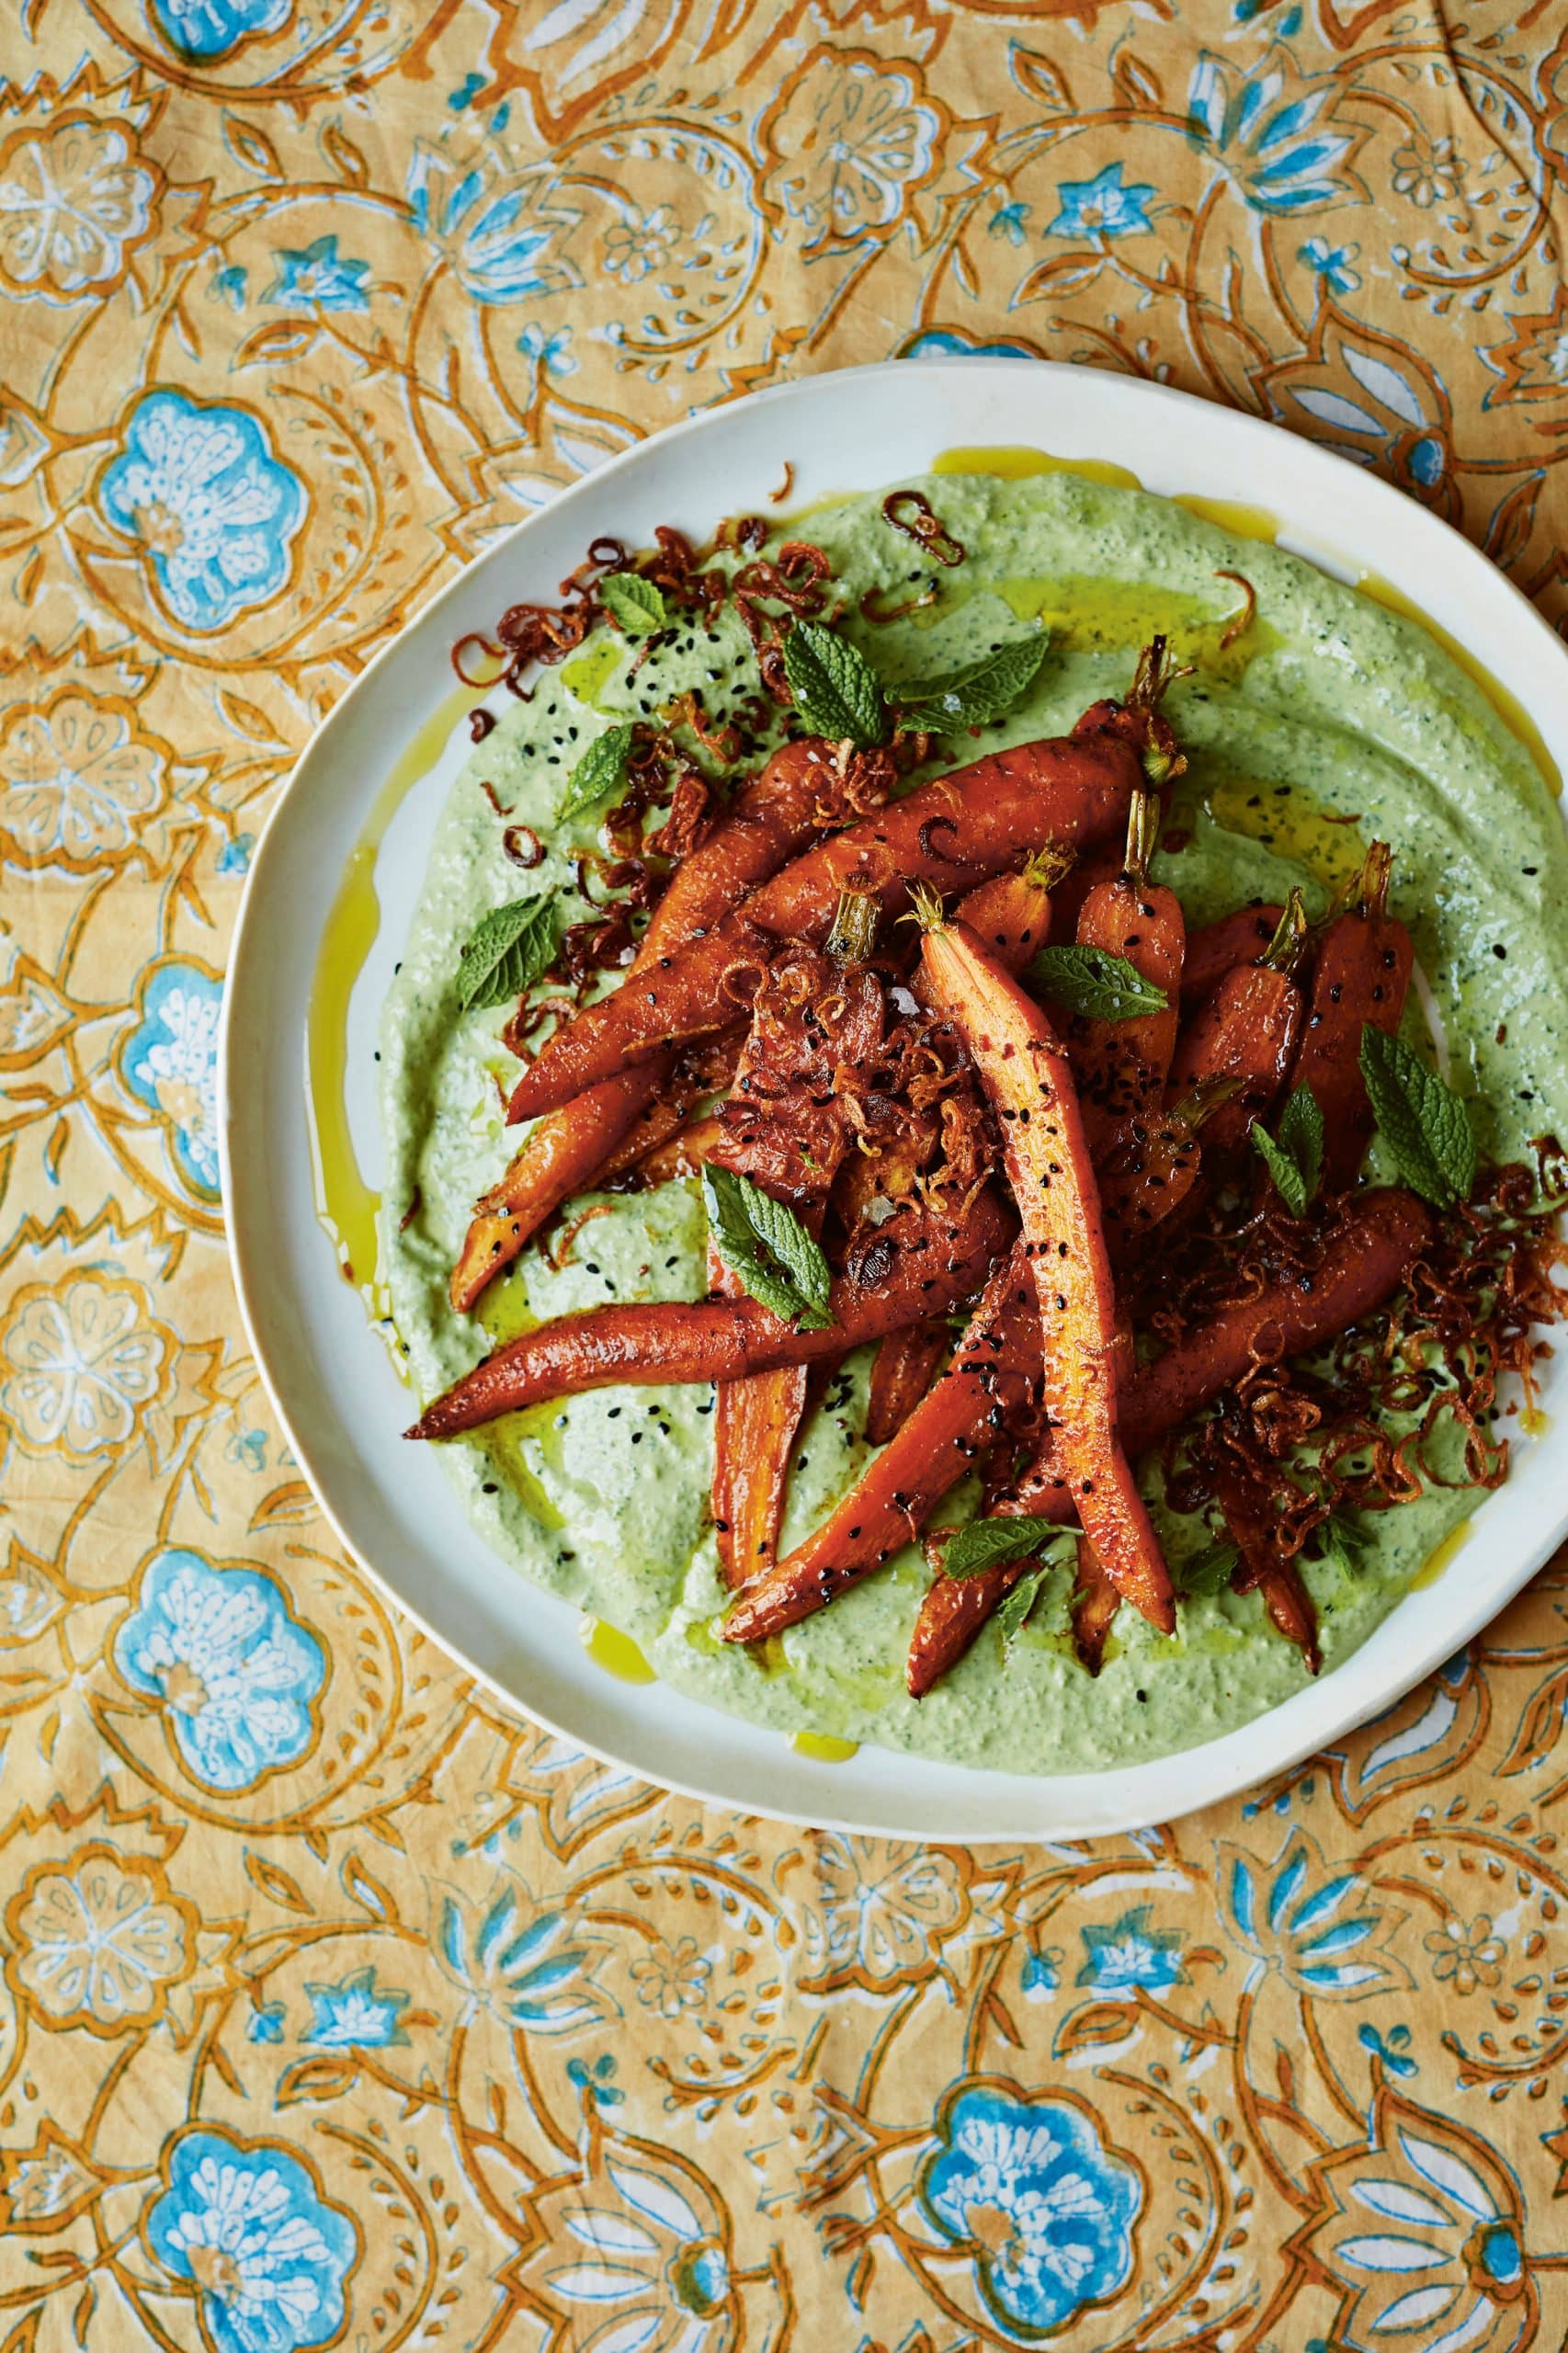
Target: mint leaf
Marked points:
1423	1123
1288	1181
975	695
1341	1543
1208	1572
764	1244
990	1544
1093	983
507	953
1017	1608
599	772
635	605
1294	1158
1300	1134
836	692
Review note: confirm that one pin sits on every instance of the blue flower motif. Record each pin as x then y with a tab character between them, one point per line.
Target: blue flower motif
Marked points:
1389	2048
316	275
596	2080
244	2225
551	352
207	29
1331	264
201	492
1101	206
1027	2183
944	343
356	2015
265	2023
169	1062
1263	133
234	1672
1325	1937
468	87
1007	221
1130	1954
234	858
1040	1975
518	1963
478	226
228	285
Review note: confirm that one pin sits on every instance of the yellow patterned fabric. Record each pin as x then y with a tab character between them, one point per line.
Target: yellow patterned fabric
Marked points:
338	2004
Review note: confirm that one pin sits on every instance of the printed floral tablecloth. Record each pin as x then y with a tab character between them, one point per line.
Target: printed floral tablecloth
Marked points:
340	2003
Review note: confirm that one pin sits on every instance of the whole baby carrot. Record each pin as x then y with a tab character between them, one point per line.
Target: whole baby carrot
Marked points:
1213	947
1247	1029
927	1260
1361	976
1120	1066
1026	1075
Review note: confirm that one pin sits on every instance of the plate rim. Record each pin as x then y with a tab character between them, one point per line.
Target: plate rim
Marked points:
1220	1786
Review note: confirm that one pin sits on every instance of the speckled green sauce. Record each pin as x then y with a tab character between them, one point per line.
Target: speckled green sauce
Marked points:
602	1500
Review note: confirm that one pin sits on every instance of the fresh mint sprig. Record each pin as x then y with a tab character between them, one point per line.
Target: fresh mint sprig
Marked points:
636	606
599	772
836	692
1294	1154
510	950
1096	984
985	1544
1423	1123
974	696
765	1246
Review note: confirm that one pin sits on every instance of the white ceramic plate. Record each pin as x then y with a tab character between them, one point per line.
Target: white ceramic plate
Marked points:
328	1371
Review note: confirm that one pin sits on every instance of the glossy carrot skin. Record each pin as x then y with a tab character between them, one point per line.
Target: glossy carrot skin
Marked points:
798	791
1095	1603
935	1259
952	834
1099	866
560	1157
1026	1072
1265	1569
954	1610
755	1421
1011	914
904	1368
1362	975
933	1449
1214	948
1120	1066
1377	1241
1246	1028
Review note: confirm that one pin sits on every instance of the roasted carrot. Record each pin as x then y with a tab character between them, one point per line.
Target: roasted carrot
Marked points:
1213	947
1366	1255
924	1262
902	1370
1026	1072
1263	1568
1012	913
934	1449
560	1157
1247	1029
1099	866
954	1610
1362	975
755	1421
680	1153
951	833
801	789
1152	1163
1367	1251
1120	1067
1094	1605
